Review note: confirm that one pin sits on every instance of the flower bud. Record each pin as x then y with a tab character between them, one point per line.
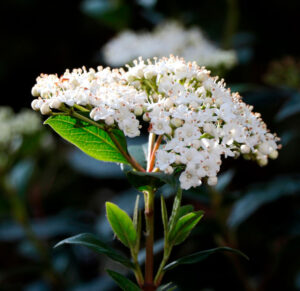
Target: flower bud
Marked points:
55	104
264	148
212	181
196	144
34	105
45	109
35	92
262	161
245	149
176	122
169	170
138	110
109	120
169	103
273	155
146	117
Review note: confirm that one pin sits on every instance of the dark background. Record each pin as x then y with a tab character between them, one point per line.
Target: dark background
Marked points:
66	194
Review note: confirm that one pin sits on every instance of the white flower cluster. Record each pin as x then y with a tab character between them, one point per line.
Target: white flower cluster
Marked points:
200	119
14	126
168	38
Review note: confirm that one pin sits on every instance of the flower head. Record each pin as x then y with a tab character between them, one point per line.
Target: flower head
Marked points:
167	38
200	119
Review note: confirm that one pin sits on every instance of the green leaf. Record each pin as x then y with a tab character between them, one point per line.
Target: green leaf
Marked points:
164	215
200	256
121	224
184	226
183	210
93	243
175	210
92	140
124	283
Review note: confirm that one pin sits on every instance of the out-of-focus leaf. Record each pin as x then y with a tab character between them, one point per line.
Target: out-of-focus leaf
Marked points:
20	175
224	180
92	140
139	152
158	247
261	194
93	243
62	224
291	107
92	167
124	283
200	256
121	224
115	14
102	283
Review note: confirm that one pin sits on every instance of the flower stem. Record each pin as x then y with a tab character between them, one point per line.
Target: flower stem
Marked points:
150	148
149	217
161	272
152	157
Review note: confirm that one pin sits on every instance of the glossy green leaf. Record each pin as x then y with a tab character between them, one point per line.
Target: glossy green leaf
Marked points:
184	226
92	140
121	224
93	243
200	256
124	283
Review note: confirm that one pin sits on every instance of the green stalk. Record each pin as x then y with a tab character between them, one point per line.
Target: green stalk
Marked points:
149	217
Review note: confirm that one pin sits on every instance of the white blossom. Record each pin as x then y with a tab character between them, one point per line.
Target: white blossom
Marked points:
200	119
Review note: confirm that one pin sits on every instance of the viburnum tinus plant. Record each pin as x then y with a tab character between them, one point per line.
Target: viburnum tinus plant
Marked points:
193	122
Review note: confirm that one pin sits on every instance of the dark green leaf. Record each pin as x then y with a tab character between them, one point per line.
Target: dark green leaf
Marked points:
93	243
261	194
92	140
124	283
183	227
200	256
121	224
290	108
142	180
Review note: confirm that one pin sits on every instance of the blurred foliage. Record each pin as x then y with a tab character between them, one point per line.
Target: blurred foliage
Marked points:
61	192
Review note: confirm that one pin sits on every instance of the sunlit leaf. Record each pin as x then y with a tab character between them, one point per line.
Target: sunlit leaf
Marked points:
121	224
92	140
